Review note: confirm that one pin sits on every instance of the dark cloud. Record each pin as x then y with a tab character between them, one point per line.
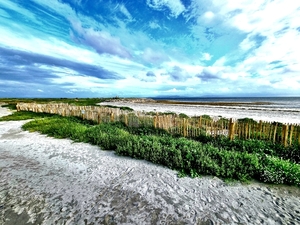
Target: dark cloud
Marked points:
258	40
178	74
26	74
21	65
207	75
277	64
155	57
150	77
150	74
101	41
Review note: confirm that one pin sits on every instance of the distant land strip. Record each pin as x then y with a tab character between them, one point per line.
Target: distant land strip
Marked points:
149	100
213	103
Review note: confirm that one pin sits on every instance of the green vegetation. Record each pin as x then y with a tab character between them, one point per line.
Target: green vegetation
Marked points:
182	115
10	106
25	116
247	120
120	107
73	101
152	113
236	160
206	117
291	153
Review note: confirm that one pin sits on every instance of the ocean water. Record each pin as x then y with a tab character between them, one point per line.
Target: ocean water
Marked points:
257	102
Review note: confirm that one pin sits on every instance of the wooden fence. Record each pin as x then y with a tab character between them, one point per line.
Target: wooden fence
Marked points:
176	124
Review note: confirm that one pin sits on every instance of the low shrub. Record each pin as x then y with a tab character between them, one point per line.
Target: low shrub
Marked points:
278	171
105	136
291	153
58	127
25	116
182	115
10	106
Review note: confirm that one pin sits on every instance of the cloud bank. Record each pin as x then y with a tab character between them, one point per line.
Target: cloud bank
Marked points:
149	48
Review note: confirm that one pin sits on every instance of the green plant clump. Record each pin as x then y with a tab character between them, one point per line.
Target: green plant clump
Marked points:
10	106
291	153
25	116
125	108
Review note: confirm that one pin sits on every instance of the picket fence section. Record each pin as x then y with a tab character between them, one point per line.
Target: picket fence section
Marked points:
177	124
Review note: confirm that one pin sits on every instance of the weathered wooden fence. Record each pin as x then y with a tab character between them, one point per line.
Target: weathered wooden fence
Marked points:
176	124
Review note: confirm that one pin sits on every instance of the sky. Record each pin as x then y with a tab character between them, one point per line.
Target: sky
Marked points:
149	48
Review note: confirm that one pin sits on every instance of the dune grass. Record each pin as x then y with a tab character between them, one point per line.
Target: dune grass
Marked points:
189	157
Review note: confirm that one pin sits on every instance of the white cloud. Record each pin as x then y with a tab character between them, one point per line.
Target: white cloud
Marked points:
209	15
51	46
125	11
154	25
173	90
269	55
15	7
175	6
206	56
78	82
248	15
58	7
103	42
155	57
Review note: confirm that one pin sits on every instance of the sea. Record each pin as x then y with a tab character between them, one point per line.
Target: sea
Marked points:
266	102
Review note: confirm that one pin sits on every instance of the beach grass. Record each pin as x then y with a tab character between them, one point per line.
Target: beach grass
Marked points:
238	160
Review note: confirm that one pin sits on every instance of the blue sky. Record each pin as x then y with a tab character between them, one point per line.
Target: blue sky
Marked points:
147	48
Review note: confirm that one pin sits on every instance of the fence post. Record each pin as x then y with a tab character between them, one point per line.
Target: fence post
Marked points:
291	134
246	130
200	122
274	135
231	129
298	134
126	120
99	117
285	132
260	129
184	127
159	121
112	117
154	121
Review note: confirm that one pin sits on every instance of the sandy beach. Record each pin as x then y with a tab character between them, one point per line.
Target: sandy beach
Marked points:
49	181
283	115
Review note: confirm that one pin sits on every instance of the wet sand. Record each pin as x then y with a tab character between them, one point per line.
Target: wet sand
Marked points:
49	181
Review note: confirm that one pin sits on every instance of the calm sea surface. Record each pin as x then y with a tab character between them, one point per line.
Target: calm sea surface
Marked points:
269	102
